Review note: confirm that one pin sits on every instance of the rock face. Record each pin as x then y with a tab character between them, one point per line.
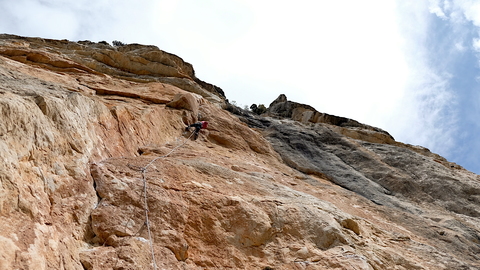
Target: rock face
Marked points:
97	172
281	107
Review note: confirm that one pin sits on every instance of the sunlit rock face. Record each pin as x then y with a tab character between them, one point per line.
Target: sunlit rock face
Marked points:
93	143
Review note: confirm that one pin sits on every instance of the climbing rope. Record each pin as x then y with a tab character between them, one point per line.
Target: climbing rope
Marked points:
164	156
147	221
144	178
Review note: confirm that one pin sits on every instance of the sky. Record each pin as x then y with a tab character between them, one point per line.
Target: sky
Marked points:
410	67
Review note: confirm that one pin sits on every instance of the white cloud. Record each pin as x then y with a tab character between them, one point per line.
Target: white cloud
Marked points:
434	7
326	55
476	44
43	20
470	9
459	12
426	113
460	46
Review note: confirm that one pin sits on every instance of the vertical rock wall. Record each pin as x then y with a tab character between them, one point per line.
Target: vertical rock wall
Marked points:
296	190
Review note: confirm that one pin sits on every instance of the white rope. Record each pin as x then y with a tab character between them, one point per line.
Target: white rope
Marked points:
164	156
147	221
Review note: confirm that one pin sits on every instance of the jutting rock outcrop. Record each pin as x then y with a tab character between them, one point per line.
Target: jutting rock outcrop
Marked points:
98	172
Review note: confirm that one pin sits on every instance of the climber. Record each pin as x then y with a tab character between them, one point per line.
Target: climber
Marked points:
197	126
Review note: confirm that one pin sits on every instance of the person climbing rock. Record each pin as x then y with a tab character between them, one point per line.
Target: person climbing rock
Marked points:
197	126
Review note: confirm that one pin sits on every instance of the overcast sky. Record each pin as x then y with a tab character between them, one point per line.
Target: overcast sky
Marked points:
410	67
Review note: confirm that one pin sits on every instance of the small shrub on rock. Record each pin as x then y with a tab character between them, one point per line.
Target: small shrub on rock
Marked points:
260	109
118	43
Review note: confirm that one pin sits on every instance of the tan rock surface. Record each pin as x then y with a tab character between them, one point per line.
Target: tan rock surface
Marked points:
87	128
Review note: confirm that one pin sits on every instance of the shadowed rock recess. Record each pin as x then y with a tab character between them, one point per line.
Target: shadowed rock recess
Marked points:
92	143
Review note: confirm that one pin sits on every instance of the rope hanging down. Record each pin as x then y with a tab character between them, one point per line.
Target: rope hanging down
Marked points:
144	178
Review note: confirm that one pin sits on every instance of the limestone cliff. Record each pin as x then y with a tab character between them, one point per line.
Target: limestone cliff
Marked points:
98	173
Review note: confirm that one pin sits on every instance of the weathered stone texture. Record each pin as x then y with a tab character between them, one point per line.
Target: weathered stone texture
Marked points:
89	131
